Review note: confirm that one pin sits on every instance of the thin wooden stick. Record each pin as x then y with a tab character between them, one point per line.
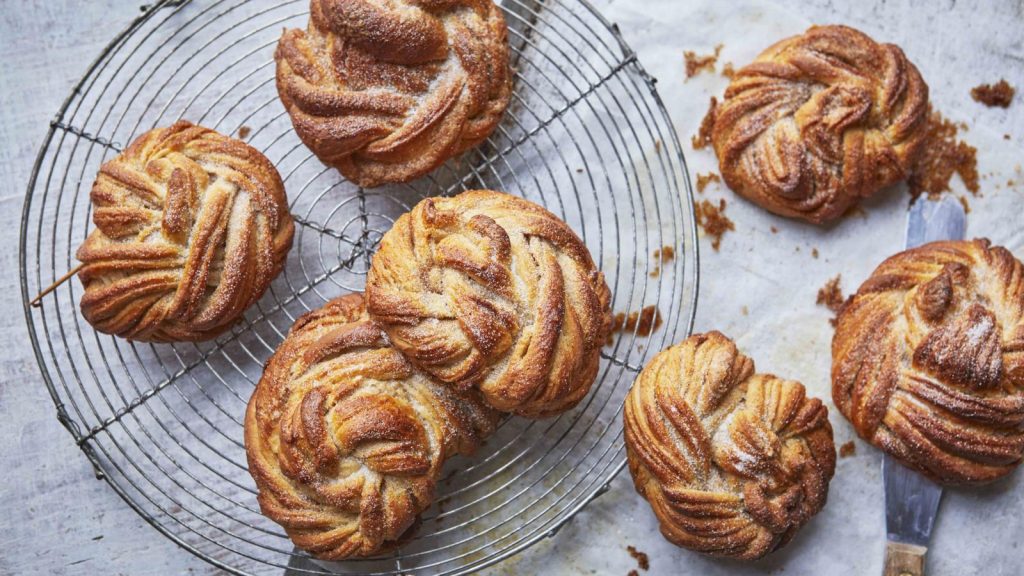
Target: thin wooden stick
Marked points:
38	300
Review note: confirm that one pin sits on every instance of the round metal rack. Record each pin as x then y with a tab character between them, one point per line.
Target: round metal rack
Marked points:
586	136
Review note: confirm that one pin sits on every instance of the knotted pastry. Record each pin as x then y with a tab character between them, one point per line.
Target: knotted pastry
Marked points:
491	291
191	227
345	439
387	90
928	360
819	121
733	463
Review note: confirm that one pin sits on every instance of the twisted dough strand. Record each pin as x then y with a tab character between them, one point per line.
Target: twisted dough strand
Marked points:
387	90
345	439
733	463
928	360
819	121
491	291
191	227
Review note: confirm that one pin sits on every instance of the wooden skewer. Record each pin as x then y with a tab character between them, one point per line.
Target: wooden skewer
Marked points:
38	300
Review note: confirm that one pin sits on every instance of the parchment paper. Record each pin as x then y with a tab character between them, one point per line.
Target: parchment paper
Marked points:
760	289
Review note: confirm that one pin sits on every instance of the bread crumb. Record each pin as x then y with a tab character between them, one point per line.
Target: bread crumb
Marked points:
696	64
656	272
944	155
847	450
999	94
728	71
831	296
814	252
665	254
963	202
633	572
713	220
703	137
775	230
645	322
244	132
657	145
744	311
641	559
704	179
1006	136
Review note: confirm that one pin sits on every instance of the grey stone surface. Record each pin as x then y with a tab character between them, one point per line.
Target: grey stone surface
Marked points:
58	519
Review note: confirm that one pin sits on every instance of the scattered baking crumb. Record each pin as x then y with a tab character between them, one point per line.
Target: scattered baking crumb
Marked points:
847	450
665	254
1006	136
713	220
696	64
656	272
704	179
831	296
999	94
579	170
944	154
244	132
1011	183
728	71
632	572
963	202
744	311
641	558
645	322
775	230
657	145
703	137
814	252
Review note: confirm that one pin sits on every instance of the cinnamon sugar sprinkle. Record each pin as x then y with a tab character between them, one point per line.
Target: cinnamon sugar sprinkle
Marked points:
943	155
703	137
712	220
696	64
999	94
645	322
704	179
831	296
641	558
848	449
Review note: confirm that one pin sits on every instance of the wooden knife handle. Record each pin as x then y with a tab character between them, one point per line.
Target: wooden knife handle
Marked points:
904	559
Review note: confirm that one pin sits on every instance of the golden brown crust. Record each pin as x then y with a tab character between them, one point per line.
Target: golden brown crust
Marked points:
928	360
491	291
345	439
819	121
732	462
387	90
191	227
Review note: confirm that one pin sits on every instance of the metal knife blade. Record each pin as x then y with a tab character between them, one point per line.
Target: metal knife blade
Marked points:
911	500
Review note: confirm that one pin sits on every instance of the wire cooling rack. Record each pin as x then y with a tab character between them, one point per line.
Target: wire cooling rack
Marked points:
586	136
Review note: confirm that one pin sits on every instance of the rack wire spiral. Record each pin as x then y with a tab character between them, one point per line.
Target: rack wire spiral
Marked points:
586	136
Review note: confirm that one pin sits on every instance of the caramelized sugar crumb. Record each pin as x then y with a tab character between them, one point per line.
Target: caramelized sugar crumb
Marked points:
645	322
847	450
713	220
999	94
696	64
831	296
943	155
775	230
656	272
641	558
244	132
728	71
704	179
703	137
963	202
